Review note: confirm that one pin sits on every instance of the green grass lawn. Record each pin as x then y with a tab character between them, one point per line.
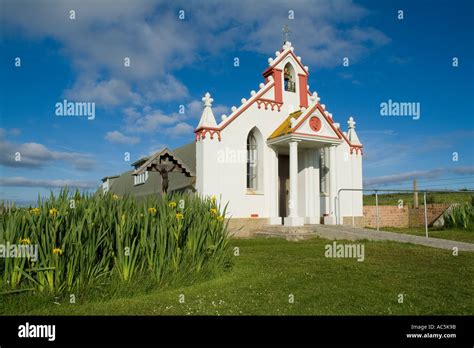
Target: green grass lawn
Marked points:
456	234
436	197
268	271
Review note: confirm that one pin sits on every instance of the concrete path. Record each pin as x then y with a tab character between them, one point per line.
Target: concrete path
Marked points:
351	233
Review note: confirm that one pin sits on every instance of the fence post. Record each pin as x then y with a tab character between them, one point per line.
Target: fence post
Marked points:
377	209
426	214
415	195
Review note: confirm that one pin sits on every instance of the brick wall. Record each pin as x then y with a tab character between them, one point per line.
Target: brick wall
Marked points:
392	216
434	211
389	215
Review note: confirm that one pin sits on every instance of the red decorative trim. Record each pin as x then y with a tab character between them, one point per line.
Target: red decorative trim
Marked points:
316	135
345	138
246	107
331	122
268	102
267	72
254	215
338	130
297	61
201	133
279	59
357	149
340	134
303	87
308	112
278	86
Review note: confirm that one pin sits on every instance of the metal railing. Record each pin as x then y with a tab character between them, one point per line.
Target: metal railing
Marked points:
337	203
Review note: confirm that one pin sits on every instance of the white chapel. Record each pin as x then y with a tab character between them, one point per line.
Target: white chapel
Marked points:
280	155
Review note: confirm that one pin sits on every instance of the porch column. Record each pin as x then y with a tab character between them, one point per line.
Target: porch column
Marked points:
293	219
332	186
274	218
293	179
312	211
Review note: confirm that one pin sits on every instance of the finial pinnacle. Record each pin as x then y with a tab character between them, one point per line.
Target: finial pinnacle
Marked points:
207	100
351	123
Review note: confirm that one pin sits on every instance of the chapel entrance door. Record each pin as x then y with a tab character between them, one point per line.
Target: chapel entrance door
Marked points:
283	184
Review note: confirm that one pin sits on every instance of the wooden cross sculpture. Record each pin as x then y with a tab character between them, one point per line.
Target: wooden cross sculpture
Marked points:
164	162
164	169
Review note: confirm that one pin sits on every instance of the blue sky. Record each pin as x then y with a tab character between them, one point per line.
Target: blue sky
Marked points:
174	62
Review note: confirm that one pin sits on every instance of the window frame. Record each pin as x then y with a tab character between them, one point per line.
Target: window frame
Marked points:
291	85
324	171
252	158
140	179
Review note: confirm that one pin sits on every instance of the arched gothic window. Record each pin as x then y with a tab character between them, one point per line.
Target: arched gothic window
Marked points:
289	78
252	161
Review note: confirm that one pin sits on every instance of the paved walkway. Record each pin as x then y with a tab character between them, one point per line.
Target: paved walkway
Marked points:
351	233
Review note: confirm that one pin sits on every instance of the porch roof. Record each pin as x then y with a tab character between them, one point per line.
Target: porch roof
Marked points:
288	130
285	127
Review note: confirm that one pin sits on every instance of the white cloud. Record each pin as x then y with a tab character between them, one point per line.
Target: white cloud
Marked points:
152	121
402	177
166	89
379	143
15	132
34	155
154	147
119	138
104	93
332	36
149	120
102	36
420	174
181	128
194	110
159	44
12	131
18	181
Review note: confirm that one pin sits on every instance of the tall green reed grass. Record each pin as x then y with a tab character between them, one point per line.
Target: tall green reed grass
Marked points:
460	216
93	240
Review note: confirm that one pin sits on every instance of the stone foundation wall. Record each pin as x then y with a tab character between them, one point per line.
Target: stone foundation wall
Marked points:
246	227
389	216
359	221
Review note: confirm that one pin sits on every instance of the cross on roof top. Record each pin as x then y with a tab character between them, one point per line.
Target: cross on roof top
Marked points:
207	100
286	32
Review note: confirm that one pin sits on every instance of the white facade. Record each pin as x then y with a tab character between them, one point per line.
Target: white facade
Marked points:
270	156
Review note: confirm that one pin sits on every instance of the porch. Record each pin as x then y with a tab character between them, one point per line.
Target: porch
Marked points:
306	180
